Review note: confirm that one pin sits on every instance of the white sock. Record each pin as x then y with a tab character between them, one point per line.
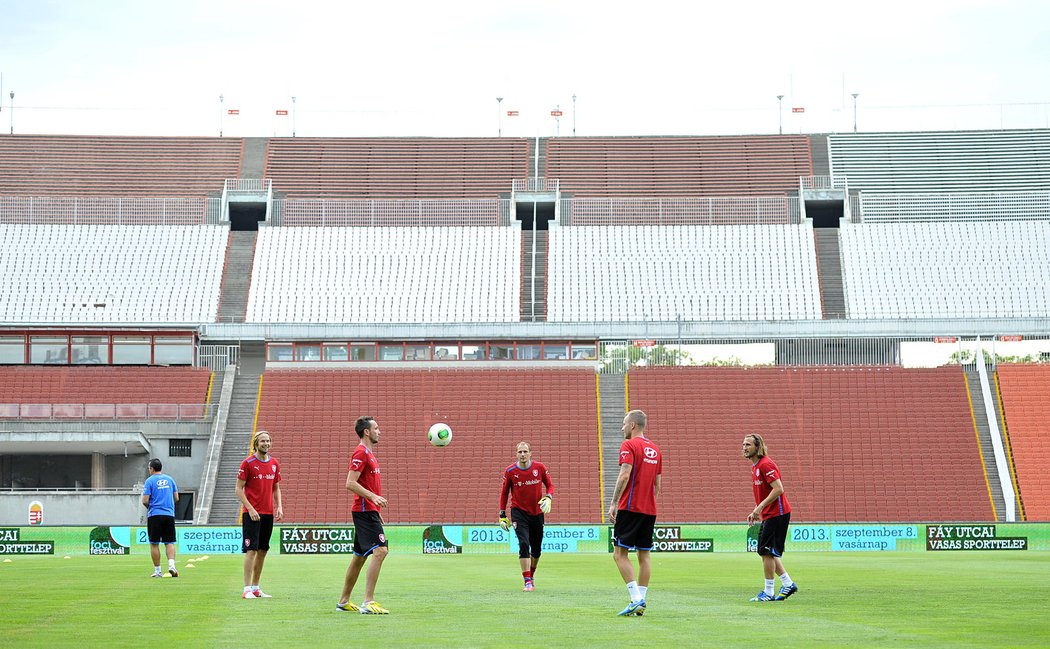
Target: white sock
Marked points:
247	588
156	570
769	587
171	563
642	590
786	581
632	589
255	587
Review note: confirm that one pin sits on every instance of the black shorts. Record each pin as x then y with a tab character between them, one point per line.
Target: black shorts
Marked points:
634	530
529	530
256	534
161	529
773	535
368	533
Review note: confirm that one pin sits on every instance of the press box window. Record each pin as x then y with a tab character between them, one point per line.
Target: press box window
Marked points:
90	350
49	349
131	350
12	350
172	350
180	448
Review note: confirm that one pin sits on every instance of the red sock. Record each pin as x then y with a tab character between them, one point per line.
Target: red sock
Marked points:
527	575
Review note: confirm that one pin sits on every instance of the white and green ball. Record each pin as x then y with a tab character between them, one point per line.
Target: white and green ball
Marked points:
440	434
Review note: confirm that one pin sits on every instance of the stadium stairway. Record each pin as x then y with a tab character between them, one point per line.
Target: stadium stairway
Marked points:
829	273
253	157
239	429
613	406
984	435
237	276
819	154
539	312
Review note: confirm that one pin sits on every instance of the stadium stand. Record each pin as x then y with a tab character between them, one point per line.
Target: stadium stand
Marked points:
929	270
679	166
110	274
386	275
74	165
396	167
857	444
734	272
91	392
946	161
311	415
1024	391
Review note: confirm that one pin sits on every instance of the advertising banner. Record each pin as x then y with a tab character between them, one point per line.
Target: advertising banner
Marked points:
490	539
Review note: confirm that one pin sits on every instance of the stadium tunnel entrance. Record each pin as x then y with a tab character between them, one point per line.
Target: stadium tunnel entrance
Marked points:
825	214
245	217
534	215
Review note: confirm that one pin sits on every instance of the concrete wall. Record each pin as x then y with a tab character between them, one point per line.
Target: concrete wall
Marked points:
74	508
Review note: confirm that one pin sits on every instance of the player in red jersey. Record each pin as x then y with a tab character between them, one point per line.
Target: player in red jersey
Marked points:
530	488
773	510
362	480
633	507
259	490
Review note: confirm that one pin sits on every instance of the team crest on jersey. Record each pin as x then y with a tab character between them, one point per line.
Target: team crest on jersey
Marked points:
535	473
273	467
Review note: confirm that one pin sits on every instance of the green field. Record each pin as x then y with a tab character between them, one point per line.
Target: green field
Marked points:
948	599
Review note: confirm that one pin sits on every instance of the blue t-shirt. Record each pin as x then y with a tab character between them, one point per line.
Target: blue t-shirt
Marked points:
161	489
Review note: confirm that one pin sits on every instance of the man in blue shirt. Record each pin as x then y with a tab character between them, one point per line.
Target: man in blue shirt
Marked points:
159	496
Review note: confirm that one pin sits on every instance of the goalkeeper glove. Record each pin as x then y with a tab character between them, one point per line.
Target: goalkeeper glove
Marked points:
504	522
545	504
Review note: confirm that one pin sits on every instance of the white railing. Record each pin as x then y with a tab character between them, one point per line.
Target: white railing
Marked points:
823	183
983	206
248	185
391	212
682	211
107	411
107	211
217	357
535	184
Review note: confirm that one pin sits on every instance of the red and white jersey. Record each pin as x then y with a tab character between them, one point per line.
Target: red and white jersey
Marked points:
525	486
259	480
364	460
646	462
763	474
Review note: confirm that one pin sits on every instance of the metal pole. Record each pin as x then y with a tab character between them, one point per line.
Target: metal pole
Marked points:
855	111
574	115
293	116
12	112
499	116
557	122
780	112
220	114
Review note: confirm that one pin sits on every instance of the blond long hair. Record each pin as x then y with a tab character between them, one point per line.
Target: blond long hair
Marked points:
760	444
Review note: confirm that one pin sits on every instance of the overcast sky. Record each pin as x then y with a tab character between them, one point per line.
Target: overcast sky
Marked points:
436	68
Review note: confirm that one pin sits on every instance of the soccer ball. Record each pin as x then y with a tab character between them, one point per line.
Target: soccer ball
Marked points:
439	434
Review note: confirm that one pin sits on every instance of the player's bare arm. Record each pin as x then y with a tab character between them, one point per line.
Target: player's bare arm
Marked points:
278	512
621	483
252	514
656	486
354	486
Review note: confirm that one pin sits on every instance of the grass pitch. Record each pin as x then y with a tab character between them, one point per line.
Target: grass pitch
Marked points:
971	599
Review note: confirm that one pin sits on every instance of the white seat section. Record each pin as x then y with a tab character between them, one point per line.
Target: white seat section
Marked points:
386	275
111	273
946	270
943	162
707	272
